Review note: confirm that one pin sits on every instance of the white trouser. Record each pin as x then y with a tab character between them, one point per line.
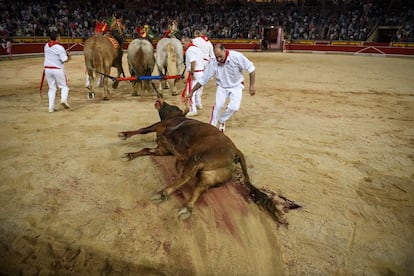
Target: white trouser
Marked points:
222	94
56	78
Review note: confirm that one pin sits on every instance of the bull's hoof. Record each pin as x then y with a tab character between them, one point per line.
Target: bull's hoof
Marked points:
122	135
185	213
159	197
91	95
128	156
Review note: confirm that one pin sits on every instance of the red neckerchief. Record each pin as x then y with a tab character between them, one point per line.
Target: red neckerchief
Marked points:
204	37
52	43
189	45
224	61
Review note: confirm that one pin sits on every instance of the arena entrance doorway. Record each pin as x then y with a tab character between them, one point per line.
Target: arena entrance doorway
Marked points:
272	38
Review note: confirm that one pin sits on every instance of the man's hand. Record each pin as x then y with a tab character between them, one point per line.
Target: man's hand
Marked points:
188	96
252	90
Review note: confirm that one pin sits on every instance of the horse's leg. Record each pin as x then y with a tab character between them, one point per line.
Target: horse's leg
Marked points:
135	89
119	72
172	86
92	85
106	94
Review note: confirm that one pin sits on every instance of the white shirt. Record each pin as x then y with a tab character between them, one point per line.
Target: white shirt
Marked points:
230	73
55	55
193	53
205	46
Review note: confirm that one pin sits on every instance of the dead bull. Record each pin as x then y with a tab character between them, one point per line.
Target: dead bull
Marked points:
206	154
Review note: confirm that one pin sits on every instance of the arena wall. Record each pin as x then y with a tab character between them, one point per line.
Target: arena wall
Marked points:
351	47
32	46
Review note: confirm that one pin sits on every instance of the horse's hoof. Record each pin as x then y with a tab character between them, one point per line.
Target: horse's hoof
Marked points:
159	197
185	213
135	94
106	98
115	85
91	95
174	93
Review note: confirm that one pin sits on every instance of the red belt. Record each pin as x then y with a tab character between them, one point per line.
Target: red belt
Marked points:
52	67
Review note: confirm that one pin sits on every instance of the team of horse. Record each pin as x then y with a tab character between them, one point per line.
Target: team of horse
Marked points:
104	51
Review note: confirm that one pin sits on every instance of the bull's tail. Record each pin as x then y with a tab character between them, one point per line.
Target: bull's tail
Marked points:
260	198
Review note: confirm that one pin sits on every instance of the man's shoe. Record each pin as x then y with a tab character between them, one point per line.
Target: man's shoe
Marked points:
51	110
200	106
222	127
192	113
65	105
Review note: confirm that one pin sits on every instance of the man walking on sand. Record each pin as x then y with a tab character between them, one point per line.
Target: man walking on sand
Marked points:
228	68
54	71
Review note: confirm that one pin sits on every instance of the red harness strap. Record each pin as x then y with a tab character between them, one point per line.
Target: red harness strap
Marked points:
187	87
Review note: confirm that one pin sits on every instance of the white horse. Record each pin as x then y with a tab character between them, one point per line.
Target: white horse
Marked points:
170	61
141	62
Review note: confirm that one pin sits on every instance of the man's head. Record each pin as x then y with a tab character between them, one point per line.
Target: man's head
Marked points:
197	33
54	35
220	52
185	41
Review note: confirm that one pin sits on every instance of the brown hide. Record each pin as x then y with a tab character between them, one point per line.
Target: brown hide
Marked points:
101	52
205	155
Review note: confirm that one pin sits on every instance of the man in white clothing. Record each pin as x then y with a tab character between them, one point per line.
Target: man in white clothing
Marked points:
205	45
227	67
54	71
194	67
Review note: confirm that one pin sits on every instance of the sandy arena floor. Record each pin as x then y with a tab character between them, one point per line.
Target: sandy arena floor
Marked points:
334	133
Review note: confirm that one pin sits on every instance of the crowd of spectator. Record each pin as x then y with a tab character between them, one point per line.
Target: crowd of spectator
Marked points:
340	20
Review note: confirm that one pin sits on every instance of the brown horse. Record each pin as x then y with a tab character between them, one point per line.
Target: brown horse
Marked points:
102	52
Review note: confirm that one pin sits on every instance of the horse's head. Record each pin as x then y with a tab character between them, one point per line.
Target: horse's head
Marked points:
117	29
117	26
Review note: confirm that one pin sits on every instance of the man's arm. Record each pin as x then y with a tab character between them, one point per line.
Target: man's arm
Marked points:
252	79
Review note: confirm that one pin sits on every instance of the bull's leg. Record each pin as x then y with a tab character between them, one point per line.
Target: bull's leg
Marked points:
206	180
189	172
146	151
126	134
186	211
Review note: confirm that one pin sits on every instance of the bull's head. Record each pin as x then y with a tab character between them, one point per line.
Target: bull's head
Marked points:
166	110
